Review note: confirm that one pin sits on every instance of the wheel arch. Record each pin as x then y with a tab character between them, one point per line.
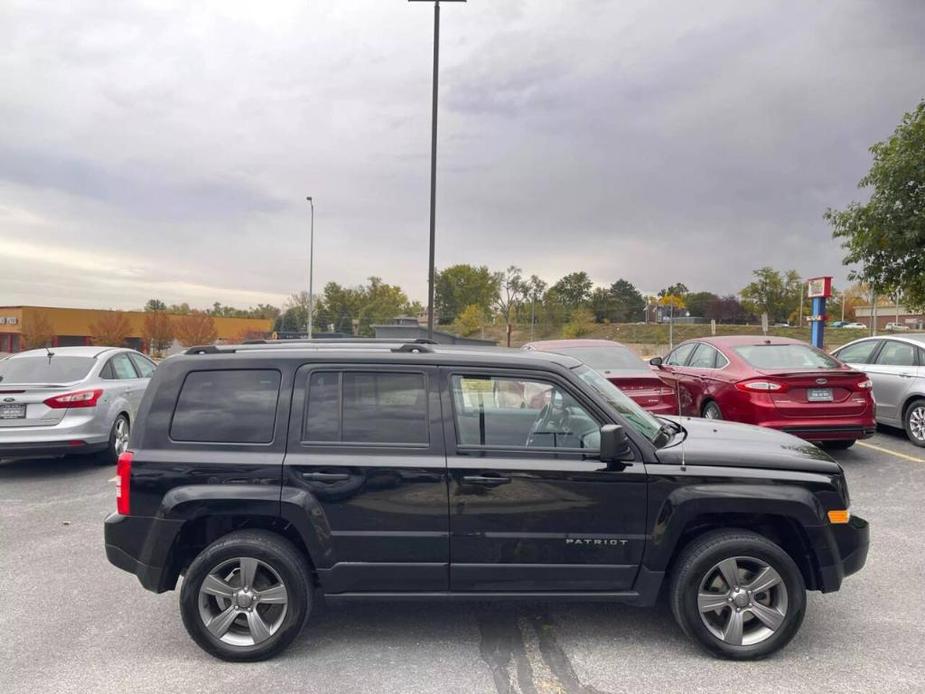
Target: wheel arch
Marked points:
783	531
782	514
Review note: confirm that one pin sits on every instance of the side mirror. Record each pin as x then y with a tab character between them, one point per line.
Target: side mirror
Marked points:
657	362
614	445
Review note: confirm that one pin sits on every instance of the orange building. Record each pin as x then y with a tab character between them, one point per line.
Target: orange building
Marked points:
73	326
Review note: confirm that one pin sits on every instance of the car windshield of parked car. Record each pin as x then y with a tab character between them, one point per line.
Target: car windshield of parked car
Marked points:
44	369
605	358
638	418
770	357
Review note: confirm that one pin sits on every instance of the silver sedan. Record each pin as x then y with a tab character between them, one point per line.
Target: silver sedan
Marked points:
896	366
70	400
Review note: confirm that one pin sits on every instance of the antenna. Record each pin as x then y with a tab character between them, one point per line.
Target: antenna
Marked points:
50	353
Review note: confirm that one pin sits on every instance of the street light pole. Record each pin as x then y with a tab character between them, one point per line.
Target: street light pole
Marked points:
311	264
433	168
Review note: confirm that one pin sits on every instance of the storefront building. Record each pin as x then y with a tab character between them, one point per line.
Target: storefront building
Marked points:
74	326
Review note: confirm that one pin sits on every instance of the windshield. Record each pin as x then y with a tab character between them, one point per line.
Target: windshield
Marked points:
772	357
639	419
44	369
602	358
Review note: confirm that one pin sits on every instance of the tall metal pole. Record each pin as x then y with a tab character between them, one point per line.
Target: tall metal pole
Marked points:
431	272
433	176
311	265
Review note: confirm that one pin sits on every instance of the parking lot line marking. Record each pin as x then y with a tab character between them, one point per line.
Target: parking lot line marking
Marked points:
113	479
891	452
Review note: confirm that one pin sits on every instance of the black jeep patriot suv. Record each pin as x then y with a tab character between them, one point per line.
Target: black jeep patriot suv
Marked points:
268	475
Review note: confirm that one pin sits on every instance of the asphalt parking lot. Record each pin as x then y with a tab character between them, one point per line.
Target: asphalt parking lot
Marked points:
71	622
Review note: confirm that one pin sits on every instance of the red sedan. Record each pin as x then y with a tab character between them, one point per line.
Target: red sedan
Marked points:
773	382
619	365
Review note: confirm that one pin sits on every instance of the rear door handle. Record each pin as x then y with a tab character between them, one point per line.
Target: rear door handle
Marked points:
325	476
486	481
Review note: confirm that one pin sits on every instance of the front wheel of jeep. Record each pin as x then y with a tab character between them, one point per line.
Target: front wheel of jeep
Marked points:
737	594
246	596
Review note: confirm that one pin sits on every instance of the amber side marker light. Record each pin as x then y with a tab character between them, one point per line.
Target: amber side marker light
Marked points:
839	517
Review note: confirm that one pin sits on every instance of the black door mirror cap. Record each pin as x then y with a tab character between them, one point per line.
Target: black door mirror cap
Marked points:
615	446
656	362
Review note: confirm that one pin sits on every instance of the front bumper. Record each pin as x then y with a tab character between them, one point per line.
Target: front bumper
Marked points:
142	546
841	550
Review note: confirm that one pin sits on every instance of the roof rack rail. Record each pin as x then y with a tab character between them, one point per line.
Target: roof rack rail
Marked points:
203	349
419	345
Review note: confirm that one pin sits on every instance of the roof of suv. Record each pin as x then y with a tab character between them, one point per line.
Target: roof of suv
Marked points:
390	351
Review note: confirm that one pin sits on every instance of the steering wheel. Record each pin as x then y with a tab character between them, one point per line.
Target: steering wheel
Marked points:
550	415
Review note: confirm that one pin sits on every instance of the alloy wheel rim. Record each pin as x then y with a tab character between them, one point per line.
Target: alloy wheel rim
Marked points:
122	435
742	601
712	412
243	601
917	422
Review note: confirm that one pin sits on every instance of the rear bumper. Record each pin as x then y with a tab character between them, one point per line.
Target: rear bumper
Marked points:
48	449
835	432
142	546
841	550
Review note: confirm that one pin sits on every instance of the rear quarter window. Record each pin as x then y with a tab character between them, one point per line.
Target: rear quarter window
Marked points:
227	406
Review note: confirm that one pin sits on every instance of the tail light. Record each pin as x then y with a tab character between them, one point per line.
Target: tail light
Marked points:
761	386
866	384
124	483
80	398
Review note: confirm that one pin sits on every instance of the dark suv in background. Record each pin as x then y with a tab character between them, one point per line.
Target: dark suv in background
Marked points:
268	475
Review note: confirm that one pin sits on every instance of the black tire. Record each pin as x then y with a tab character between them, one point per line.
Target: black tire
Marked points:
837	445
110	456
697	562
711	407
915	409
283	558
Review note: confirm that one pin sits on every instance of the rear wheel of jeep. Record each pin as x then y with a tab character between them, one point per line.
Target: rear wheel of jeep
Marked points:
739	595
246	596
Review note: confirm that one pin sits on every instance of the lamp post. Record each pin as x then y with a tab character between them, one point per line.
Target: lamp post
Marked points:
433	167
311	264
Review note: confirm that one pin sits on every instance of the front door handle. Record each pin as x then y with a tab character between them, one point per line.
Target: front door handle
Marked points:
486	481
325	476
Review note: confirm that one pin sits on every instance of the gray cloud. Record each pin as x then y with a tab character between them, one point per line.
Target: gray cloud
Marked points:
657	142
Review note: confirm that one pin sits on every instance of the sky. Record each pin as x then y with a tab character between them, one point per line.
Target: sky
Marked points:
165	148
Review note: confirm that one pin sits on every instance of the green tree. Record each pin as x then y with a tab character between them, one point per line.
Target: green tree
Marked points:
155	305
581	323
512	292
628	303
460	286
469	321
886	235
573	290
677	289
602	304
294	317
698	303
773	293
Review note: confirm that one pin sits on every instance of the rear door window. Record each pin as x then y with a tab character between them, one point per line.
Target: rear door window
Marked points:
362	407
704	358
122	367
227	406
896	353
144	366
859	353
